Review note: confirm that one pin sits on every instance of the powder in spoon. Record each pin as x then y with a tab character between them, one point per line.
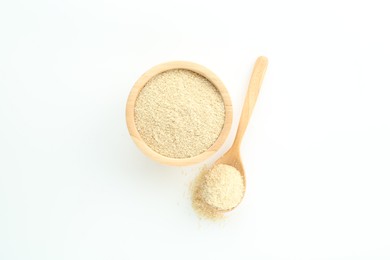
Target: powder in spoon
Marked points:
218	189
179	113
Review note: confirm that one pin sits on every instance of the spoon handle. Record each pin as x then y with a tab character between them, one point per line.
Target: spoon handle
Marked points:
251	97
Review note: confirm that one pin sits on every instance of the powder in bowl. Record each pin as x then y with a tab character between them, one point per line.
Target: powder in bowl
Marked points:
179	113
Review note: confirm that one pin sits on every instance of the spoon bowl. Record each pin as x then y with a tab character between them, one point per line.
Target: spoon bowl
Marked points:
233	158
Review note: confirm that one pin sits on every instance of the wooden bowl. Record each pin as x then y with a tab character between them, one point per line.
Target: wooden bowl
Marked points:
130	117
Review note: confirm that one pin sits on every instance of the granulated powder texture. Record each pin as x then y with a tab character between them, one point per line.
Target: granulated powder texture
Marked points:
179	113
220	188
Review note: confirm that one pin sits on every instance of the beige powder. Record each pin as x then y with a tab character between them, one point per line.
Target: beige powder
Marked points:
179	113
221	188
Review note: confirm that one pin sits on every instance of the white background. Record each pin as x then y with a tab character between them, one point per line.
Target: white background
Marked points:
73	185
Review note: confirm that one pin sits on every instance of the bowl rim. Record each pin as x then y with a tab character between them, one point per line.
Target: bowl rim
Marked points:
138	86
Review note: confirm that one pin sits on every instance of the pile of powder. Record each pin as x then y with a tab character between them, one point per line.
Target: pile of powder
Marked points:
216	190
179	113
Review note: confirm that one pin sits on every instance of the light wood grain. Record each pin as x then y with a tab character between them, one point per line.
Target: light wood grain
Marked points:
232	156
141	83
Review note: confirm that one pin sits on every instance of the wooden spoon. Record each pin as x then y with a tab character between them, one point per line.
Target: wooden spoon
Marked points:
232	156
